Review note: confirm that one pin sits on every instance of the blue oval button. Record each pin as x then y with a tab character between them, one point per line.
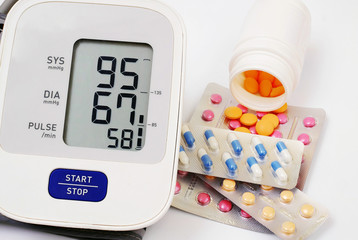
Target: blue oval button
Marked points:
79	185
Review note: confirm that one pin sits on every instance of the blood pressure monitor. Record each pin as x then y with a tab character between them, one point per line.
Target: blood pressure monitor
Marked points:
90	96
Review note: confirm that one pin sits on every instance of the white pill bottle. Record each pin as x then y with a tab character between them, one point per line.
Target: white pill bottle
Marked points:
274	38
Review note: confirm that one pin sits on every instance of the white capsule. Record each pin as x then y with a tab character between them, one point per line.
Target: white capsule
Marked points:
183	158
283	152
259	147
255	167
212	142
281	175
279	171
229	163
185	129
235	144
206	161
188	137
256	171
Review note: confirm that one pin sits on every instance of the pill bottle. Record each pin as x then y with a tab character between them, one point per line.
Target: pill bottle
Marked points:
274	38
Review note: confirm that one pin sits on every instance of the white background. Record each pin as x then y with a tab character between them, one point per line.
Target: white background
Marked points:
329	81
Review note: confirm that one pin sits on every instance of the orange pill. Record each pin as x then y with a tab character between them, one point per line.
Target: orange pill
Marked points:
209	177
252	74
248	119
276	83
277	91
307	211
281	109
248	198
233	112
251	85
266	188
242	129
265	76
264	128
272	118
288	228
265	88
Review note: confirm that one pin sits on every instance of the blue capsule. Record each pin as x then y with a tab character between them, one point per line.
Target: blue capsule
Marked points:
235	144
230	163
280	172
188	136
183	158
206	161
212	142
259	147
283	152
254	166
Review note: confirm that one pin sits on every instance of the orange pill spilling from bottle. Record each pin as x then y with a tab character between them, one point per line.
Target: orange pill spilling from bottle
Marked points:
265	88
265	76
252	74
251	85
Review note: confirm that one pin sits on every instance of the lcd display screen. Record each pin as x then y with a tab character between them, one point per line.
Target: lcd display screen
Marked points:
108	95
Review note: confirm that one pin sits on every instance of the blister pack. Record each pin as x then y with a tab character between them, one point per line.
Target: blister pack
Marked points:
289	214
195	196
296	123
240	156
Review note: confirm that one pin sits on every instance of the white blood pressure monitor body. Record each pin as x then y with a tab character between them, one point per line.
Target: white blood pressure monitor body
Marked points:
90	112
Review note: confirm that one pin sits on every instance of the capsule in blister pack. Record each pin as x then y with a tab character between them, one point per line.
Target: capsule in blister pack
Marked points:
260	149
235	144
194	196
296	123
289	214
241	156
183	158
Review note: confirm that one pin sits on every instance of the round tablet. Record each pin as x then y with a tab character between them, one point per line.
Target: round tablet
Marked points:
309	122
248	119
253	129
244	214
268	213
281	109
233	124
177	188
203	198
248	198
228	185
207	115
209	177
266	188
242	129
260	114
276	134
282	118
233	112
272	118
243	108
288	228
286	196
182	173
304	138
307	211
216	98
225	205
264	128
